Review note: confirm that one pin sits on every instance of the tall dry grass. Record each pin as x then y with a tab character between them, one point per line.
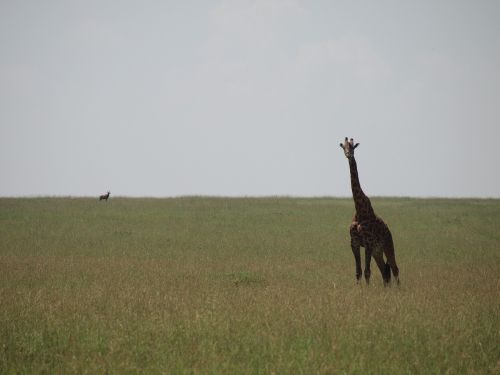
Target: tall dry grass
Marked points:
207	285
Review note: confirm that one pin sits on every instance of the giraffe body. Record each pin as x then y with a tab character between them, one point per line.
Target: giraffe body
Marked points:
367	230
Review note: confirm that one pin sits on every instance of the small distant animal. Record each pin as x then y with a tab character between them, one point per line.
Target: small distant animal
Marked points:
104	196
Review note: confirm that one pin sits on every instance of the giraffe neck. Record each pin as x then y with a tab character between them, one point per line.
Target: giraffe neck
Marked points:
363	205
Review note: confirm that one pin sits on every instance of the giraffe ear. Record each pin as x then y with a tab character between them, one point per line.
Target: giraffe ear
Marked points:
341	145
356	145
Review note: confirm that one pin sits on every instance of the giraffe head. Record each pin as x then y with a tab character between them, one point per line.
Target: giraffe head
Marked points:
349	147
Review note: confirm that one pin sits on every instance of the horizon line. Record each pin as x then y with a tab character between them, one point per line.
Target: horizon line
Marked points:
268	196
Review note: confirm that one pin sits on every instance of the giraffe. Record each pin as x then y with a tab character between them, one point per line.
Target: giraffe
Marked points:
367	229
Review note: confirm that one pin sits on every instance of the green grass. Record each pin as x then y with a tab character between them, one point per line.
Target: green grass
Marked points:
245	286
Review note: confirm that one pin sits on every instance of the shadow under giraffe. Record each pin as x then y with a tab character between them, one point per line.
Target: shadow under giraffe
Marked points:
367	229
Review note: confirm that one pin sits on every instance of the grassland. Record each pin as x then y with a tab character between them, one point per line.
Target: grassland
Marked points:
245	286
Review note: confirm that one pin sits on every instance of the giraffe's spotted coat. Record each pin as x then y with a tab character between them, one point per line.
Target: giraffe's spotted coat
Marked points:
367	229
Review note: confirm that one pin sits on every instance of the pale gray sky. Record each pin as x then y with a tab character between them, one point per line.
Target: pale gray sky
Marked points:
167	98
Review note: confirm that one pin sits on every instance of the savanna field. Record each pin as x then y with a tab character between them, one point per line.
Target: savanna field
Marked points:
245	286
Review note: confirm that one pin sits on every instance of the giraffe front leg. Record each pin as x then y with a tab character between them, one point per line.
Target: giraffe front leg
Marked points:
368	260
357	258
355	246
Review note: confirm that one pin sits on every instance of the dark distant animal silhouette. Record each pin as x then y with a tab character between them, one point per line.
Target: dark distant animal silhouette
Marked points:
367	229
104	196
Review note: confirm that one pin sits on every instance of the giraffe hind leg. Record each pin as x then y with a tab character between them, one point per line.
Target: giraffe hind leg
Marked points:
387	272
391	260
382	266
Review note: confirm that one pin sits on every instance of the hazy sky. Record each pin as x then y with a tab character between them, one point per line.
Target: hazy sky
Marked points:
167	98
